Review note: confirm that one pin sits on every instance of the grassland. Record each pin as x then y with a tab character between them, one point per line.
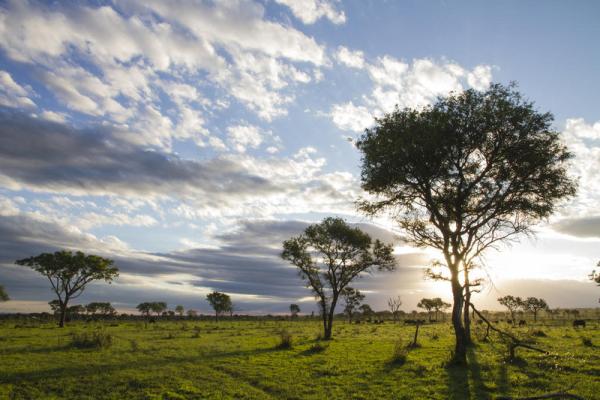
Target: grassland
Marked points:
243	360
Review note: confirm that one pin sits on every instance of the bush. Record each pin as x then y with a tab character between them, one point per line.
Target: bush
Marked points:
91	340
399	354
316	348
587	342
539	333
134	345
285	339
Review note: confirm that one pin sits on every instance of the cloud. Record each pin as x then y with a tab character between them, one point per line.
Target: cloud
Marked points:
12	94
350	117
586	227
309	11
350	58
244	136
402	84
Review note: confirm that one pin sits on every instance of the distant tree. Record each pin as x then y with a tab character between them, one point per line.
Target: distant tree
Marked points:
595	276
170	313
439	305
77	309
54	306
158	307
352	299
3	294
366	311
294	310
464	174
179	310
329	256
428	305
145	308
394	304
69	273
220	302
534	305
192	313
102	308
512	303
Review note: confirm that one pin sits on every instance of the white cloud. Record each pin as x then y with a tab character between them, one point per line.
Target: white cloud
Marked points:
309	11
350	58
350	117
243	137
12	94
398	83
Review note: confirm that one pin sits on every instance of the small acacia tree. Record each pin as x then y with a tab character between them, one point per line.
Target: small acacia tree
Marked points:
366	311
352	299
294	310
440	305
428	305
464	174
179	310
534	305
329	256
144	308
394	304
3	294
220	302
158	307
102	308
69	273
512	303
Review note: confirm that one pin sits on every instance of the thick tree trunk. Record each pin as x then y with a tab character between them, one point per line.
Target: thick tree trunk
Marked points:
63	314
466	315
329	324
460	349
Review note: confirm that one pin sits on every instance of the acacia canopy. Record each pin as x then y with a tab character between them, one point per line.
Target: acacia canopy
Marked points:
464	174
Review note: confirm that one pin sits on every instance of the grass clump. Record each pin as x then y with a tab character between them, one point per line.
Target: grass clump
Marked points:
285	339
91	340
587	342
399	354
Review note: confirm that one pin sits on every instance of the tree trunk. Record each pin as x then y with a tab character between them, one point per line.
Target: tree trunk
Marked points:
460	349
466	315
63	314
329	324
216	316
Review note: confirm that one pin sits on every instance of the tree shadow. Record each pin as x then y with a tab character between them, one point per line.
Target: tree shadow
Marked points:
466	382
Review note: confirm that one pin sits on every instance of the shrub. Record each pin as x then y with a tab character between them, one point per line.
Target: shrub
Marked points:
90	340
316	348
285	339
539	333
134	345
399	354
587	342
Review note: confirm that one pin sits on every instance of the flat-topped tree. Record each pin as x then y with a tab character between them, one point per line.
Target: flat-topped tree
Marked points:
294	310
3	294
220	302
69	273
512	304
464	174
534	305
329	256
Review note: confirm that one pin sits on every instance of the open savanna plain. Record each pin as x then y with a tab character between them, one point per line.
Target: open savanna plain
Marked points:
190	359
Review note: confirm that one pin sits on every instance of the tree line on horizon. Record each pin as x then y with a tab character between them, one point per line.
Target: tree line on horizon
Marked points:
472	171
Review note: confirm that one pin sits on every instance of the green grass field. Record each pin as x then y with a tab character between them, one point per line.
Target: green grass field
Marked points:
242	360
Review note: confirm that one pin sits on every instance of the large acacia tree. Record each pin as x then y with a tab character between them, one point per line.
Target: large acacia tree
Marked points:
329	256
69	273
464	174
220	302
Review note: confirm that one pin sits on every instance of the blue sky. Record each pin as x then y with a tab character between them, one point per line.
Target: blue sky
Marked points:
187	141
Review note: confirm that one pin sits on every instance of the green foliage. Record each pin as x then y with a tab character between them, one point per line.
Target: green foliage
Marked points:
285	339
239	361
156	307
329	256
294	310
220	302
69	273
102	308
400	353
3	294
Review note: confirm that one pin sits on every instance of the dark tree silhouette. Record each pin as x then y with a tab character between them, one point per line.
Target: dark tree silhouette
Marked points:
220	302
294	310
394	304
428	305
3	294
352	299
595	276
534	305
102	308
512	304
329	256
463	175
69	273
144	308
179	310
366	311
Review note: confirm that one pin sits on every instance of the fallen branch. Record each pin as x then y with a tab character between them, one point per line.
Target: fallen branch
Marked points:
516	342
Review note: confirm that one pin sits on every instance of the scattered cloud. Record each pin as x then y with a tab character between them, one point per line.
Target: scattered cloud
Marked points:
309	11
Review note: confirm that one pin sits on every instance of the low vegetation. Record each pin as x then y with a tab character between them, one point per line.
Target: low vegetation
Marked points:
243	360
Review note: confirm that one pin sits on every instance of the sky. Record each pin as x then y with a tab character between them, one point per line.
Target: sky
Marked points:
186	140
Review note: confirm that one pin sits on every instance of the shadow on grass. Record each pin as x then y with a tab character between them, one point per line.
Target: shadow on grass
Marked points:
466	382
